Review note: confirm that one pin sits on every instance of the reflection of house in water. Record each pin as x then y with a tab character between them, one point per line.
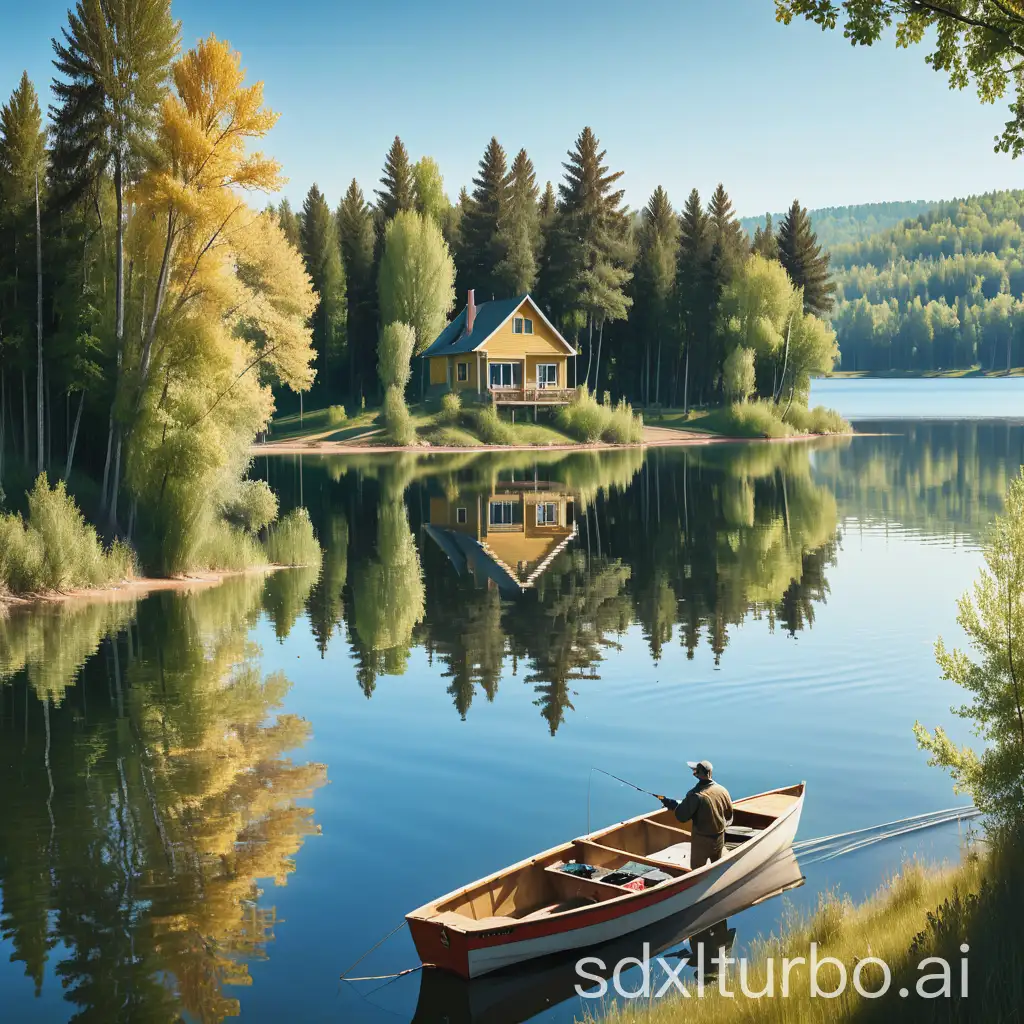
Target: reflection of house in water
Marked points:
505	538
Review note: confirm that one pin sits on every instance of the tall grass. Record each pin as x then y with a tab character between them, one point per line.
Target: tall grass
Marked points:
451	408
585	419
491	428
900	925
291	540
763	418
818	420
397	421
55	548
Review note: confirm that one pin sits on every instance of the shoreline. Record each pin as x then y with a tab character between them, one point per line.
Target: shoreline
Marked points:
655	437
128	590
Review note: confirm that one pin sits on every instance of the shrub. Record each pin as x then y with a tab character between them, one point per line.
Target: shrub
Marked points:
818	420
756	419
291	540
336	415
394	355
55	549
228	548
588	421
253	507
492	428
397	420
451	407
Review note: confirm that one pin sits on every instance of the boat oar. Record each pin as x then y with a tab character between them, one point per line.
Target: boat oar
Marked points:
590	778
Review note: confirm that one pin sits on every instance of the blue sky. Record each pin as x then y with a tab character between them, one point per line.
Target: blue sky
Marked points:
682	93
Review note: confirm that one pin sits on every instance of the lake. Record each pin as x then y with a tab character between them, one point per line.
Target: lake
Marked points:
216	802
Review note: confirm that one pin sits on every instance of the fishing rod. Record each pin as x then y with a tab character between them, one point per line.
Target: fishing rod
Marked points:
590	779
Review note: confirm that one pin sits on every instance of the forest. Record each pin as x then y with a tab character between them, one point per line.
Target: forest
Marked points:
156	308
942	290
845	225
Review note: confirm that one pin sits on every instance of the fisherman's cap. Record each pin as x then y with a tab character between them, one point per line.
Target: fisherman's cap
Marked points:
704	766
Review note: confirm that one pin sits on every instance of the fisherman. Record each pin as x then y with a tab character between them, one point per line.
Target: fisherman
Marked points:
709	807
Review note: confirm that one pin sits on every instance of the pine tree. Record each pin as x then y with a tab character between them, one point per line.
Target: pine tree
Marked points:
806	264
113	65
695	299
519	230
398	185
289	222
480	251
356	236
592	252
22	162
765	243
547	203
653	284
322	255
727	233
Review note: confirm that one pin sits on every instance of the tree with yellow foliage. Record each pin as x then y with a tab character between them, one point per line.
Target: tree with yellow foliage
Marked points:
229	309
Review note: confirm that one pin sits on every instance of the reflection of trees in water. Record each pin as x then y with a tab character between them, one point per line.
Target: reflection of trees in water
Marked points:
684	543
941	477
144	802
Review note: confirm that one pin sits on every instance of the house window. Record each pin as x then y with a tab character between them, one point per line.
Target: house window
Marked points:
462	371
460	515
547	375
522	325
505	375
501	513
547	514
527	325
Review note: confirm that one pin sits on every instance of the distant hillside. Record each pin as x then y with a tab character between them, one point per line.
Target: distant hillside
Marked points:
842	225
940	291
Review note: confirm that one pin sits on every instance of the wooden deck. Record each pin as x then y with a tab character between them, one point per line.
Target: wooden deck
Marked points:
532	396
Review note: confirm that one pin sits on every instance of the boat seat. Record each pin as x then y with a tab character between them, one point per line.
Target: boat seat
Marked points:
559	908
678	854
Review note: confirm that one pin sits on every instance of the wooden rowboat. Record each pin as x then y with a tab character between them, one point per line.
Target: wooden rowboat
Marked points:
536	908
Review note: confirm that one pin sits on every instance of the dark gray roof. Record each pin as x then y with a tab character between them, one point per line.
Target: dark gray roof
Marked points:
489	317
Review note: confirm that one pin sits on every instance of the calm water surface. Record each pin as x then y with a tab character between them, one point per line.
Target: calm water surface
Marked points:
215	803
917	398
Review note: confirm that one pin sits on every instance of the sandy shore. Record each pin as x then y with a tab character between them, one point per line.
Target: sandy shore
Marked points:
130	590
654	437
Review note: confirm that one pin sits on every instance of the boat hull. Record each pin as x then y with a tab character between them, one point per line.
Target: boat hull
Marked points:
472	954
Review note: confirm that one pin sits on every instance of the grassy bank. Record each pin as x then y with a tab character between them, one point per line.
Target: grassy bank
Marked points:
756	419
919	913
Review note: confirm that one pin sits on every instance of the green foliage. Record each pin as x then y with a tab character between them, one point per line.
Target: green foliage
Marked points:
484	212
738	379
224	547
940	291
843	225
336	415
253	507
807	266
519	230
451	407
977	41
357	239
291	541
428	186
394	355
587	420
818	420
397	421
756	419
491	428
992	616
55	549
417	276
397	193
764	242
322	256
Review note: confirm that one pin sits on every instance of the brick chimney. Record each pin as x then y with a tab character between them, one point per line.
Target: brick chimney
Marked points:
470	312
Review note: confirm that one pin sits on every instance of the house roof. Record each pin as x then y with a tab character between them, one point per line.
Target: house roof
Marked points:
454	340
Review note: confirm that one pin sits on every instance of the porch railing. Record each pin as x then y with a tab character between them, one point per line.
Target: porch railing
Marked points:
532	394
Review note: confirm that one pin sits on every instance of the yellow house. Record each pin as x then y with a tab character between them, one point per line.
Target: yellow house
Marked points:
507	537
506	349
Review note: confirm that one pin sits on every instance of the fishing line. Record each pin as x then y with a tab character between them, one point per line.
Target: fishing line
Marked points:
368	952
